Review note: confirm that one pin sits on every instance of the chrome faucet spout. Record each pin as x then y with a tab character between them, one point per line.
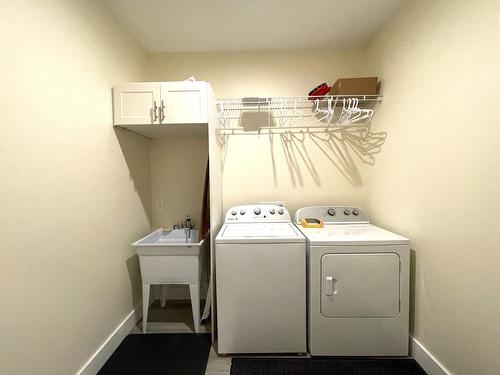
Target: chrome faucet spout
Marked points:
189	222
187	225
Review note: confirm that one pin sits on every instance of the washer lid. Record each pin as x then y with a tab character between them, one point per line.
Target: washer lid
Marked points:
259	232
355	234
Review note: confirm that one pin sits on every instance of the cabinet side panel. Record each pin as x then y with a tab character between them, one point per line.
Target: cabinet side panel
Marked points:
215	152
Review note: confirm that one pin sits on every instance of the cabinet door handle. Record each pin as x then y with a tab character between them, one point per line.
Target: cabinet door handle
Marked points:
154	114
162	111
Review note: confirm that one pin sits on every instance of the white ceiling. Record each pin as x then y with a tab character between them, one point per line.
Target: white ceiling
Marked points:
219	25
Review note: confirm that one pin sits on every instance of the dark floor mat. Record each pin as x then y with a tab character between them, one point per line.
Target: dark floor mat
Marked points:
162	354
325	366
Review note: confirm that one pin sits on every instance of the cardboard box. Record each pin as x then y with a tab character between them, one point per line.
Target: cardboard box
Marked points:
355	86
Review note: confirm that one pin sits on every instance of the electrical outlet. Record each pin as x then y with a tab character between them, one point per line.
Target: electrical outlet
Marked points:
160	204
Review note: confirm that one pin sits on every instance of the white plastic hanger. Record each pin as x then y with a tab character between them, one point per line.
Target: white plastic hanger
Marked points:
331	110
325	112
346	113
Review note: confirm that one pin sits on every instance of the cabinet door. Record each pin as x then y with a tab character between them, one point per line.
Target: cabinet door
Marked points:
360	285
136	103
184	103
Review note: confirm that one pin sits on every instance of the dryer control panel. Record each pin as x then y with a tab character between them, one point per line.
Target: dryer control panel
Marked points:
333	214
258	213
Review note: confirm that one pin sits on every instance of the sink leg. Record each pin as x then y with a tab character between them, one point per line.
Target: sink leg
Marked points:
145	306
194	290
163	295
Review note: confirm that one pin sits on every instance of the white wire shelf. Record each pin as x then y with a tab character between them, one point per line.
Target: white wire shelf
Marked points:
252	115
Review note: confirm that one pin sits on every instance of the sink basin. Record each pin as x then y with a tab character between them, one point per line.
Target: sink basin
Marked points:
169	237
170	242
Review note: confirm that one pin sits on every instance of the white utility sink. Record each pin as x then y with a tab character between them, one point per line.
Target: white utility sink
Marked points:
173	256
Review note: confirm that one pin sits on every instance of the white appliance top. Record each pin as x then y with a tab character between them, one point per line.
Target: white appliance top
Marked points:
258	223
356	234
345	226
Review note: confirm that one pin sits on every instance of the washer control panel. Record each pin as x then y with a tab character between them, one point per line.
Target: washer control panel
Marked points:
258	213
333	214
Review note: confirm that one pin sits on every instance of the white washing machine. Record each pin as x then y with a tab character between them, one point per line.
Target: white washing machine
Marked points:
358	285
261	282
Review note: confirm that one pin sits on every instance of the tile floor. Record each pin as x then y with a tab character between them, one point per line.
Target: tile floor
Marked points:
176	318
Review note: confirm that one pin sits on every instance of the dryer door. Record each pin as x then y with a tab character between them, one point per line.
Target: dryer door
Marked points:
360	285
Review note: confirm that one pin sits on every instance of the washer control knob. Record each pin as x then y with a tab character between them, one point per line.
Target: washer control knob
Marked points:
355	212
256	211
347	211
272	211
233	212
280	211
331	211
242	212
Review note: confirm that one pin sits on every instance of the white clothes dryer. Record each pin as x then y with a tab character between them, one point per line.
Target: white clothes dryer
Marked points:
260	261
358	285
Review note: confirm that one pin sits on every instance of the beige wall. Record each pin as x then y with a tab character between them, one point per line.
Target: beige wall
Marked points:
256	73
299	170
177	180
73	194
436	180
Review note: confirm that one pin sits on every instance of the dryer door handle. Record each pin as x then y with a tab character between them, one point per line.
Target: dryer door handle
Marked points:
330	286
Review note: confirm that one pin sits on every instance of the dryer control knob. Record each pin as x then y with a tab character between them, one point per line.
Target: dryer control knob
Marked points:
256	211
233	212
347	211
331	211
355	212
280	211
242	212
271	211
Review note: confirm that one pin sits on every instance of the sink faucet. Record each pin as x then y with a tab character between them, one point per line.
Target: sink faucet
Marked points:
187	225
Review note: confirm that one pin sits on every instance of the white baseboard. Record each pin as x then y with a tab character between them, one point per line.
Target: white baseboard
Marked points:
99	358
426	360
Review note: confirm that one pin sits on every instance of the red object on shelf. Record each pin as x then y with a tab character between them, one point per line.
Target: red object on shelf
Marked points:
319	91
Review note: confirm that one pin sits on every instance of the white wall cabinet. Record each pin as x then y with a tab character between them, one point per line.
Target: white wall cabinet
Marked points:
162	109
136	103
184	103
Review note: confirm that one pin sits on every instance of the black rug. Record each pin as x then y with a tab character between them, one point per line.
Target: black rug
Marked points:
162	354
325	366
